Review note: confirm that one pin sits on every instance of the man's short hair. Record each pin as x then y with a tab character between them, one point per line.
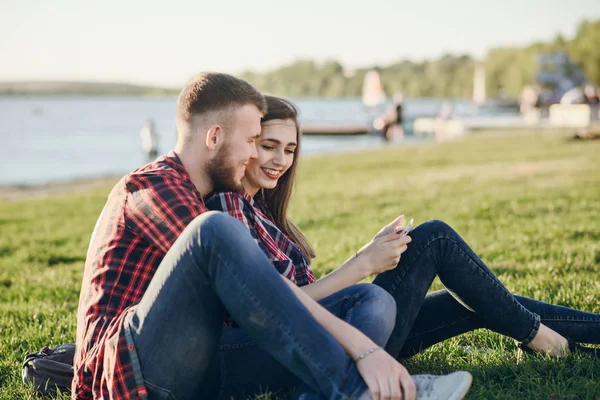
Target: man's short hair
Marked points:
214	92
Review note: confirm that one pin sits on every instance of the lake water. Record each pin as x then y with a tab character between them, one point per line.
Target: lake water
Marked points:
58	138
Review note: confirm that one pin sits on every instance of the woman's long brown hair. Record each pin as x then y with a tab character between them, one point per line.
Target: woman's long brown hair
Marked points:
274	202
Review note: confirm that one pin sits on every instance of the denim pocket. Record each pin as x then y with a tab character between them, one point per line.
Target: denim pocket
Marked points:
157	393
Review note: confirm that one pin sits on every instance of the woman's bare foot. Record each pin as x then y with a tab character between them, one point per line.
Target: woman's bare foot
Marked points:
549	342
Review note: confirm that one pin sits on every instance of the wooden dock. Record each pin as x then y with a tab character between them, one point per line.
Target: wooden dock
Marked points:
335	129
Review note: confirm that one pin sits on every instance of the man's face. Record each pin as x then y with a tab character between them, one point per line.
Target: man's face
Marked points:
228	167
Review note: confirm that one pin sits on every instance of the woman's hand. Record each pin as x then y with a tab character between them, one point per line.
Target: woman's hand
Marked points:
391	227
383	253
385	377
386	230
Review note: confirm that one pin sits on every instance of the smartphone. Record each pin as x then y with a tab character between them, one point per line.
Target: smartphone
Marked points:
405	230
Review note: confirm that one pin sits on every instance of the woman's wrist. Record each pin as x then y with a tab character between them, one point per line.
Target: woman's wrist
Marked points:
367	353
363	264
358	345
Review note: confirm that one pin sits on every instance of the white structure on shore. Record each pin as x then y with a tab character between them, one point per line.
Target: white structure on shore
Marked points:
479	83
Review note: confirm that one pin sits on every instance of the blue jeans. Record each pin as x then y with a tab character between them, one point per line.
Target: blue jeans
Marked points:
474	298
184	352
373	312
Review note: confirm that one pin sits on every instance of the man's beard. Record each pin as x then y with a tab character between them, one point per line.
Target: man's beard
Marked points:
222	173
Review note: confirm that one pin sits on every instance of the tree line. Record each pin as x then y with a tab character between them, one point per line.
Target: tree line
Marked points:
507	70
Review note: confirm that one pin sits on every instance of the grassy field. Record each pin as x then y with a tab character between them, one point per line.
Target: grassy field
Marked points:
529	204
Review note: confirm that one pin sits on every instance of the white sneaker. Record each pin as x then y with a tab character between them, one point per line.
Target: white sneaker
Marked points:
453	386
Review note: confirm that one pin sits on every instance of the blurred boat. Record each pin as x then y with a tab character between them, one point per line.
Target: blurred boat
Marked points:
373	95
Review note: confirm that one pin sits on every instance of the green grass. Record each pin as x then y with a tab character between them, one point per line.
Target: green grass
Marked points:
528	204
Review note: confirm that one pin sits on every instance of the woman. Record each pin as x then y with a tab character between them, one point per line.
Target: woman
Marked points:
406	270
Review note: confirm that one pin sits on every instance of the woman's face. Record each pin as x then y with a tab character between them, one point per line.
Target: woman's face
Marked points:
275	148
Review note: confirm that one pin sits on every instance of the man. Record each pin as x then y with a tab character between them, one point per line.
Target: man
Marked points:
163	275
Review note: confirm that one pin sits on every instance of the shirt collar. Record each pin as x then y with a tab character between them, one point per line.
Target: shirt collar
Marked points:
173	161
246	196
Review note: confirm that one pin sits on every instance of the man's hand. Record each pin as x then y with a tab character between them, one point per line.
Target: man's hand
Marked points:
386	378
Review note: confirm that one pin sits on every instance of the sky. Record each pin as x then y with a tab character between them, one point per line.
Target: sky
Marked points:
164	43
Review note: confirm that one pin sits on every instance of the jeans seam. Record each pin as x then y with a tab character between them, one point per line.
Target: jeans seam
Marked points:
536	318
222	377
237	346
466	254
346	297
351	309
507	294
349	315
440	327
419	254
571	319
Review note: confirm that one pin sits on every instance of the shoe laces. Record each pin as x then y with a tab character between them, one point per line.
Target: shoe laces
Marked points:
424	384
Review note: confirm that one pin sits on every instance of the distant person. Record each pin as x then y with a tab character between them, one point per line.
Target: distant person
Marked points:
530	99
598	97
404	266
441	127
591	98
391	123
149	139
399	106
446	111
397	127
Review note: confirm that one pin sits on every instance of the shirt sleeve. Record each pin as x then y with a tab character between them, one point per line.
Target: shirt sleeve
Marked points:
160	207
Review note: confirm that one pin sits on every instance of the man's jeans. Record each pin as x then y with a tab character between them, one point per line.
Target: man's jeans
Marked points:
474	297
216	267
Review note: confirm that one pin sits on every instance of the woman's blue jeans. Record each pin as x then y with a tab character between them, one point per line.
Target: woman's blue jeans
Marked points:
474	298
184	352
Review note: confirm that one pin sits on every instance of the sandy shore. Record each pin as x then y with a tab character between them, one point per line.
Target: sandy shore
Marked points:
76	185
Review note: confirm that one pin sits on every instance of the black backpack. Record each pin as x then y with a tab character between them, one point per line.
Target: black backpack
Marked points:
50	369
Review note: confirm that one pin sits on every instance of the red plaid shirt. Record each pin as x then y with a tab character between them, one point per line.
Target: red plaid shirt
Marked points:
145	213
282	252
